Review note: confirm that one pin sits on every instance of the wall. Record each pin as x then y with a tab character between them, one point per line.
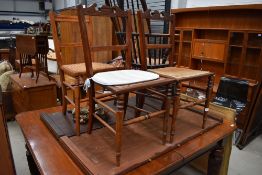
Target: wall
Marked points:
30	9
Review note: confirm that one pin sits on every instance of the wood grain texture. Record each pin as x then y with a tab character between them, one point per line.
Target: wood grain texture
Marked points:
29	95
6	158
54	160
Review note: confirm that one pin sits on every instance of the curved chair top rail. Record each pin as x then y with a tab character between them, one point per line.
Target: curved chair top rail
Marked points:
105	10
156	15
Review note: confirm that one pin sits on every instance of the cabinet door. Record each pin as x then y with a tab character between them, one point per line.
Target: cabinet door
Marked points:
215	50
6	159
198	50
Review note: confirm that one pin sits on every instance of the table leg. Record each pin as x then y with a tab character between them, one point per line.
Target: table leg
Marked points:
209	90
176	103
119	125
215	160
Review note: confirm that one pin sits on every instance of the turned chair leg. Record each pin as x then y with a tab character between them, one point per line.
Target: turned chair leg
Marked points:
166	106
140	100
77	109
209	90
119	125
91	108
64	93
176	103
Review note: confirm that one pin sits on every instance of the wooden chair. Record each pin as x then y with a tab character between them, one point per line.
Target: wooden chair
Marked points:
119	91
168	69
69	55
32	52
155	59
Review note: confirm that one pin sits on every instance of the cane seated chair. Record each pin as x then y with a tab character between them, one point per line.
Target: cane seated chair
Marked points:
179	74
32	52
118	89
70	59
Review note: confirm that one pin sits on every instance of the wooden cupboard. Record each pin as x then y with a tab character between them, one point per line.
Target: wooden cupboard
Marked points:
227	41
6	158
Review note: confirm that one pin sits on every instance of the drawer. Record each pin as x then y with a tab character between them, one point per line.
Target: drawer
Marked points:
214	50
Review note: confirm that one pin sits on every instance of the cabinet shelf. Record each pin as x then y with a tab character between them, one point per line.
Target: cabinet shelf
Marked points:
189	42
234	45
253	47
208	59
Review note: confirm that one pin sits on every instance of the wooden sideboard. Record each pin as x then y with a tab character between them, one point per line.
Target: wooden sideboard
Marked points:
227	41
28	95
6	158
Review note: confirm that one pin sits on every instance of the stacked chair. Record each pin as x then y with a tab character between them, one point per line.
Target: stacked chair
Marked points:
158	78
71	62
119	83
178	74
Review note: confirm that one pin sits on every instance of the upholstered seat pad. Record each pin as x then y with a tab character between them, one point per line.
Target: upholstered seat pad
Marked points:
79	69
180	73
123	77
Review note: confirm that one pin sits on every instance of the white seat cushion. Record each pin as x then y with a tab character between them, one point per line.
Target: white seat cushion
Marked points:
123	77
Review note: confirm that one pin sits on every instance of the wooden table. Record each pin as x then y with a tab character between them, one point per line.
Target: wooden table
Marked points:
51	158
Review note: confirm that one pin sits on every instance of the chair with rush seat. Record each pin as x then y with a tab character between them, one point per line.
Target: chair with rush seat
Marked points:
178	74
120	83
69	54
32	52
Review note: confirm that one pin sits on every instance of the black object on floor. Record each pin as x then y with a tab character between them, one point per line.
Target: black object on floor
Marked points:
232	93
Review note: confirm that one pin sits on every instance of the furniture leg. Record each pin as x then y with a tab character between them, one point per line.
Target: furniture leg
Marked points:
215	160
176	103
64	92
125	102
140	100
119	125
77	108
37	68
208	97
166	116
91	104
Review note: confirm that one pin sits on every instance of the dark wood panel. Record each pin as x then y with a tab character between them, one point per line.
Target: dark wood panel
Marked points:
6	158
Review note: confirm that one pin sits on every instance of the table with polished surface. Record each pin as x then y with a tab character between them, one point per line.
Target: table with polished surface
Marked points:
51	158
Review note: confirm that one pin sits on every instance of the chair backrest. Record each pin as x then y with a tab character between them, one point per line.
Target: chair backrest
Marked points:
156	49
32	46
125	28
66	36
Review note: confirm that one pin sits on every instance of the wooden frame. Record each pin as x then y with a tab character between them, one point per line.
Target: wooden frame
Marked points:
178	74
31	47
121	92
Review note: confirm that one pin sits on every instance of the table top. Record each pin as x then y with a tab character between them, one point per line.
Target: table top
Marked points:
26	82
51	158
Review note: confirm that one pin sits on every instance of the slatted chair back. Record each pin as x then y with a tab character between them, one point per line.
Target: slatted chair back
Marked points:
66	35
116	14
156	58
156	49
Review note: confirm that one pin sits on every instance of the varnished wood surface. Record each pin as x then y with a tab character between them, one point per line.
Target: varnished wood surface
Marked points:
52	159
48	154
28	95
137	86
141	142
230	7
6	159
26	82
